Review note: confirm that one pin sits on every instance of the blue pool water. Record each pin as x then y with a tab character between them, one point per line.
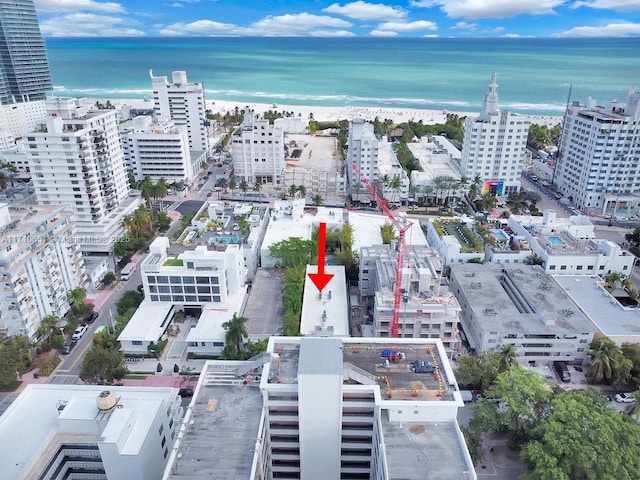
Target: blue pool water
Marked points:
499	235
556	241
223	240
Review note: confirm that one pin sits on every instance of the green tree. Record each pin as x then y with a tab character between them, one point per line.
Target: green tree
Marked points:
236	332
102	365
146	189
605	356
396	185
244	188
581	438
613	279
317	200
129	300
524	398
109	278
47	329
232	184
508	356
388	233
292	190
534	259
293	252
162	221
479	372
303	191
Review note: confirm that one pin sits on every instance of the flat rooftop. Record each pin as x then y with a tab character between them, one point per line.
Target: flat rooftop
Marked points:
218	439
484	288
424	451
148	323
26	221
33	422
209	327
366	230
609	316
401	382
325	314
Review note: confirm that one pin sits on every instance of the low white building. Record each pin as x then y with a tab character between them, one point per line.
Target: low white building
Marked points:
439	158
366	229
58	431
569	246
18	119
523	306
224	223
292	124
327	408
40	263
325	313
205	286
288	219
620	322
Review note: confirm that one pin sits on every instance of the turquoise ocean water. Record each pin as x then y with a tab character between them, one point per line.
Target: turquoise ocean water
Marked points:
533	74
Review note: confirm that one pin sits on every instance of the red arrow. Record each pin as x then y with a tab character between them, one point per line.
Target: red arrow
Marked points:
321	279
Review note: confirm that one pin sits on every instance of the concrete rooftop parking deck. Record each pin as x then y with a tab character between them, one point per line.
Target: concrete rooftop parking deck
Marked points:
397	380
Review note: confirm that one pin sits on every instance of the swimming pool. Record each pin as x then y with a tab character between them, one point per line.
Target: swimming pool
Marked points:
556	241
226	240
499	235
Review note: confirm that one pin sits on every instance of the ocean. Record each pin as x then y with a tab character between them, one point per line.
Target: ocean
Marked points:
451	74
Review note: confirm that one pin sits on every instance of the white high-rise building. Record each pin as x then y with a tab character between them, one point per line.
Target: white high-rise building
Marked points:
598	165
159	149
258	151
182	102
40	263
363	151
322	408
76	160
495	145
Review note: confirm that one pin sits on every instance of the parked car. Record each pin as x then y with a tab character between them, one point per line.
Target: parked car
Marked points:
80	331
186	392
91	318
421	366
624	398
68	346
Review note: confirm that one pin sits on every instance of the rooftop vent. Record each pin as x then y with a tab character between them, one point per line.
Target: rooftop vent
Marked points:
476	285
106	401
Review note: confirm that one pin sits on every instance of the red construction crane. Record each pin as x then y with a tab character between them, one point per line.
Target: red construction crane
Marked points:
402	228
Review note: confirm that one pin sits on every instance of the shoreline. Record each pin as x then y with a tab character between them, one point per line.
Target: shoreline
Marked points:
324	113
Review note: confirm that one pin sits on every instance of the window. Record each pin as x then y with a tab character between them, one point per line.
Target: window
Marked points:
202	280
563	267
552	267
136	342
187	279
161	430
163	279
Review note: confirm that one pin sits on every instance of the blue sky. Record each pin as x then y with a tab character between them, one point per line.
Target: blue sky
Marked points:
361	18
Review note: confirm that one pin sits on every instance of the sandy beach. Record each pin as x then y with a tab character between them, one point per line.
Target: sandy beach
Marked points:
323	113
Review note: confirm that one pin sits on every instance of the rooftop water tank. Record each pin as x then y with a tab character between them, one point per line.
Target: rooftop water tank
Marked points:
106	400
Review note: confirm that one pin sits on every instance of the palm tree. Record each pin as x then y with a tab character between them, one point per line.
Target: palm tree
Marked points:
292	190
244	187
508	356
613	278
357	187
474	189
396	185
47	328
223	184
464	184
633	410
604	355
440	184
77	295
146	189
427	190
303	191
318	200
236	331
257	186
534	259
232	185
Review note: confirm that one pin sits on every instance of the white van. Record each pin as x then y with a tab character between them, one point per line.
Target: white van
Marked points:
127	271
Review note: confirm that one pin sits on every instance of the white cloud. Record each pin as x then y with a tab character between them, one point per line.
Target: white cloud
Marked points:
295	24
88	25
200	27
476	9
366	11
497	30
59	6
301	24
423	3
465	26
611	30
176	4
332	33
383	33
619	5
407	26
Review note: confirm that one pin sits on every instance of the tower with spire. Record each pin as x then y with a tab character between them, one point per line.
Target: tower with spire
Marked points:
494	146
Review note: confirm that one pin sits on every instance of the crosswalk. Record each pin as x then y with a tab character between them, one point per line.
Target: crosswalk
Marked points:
63	379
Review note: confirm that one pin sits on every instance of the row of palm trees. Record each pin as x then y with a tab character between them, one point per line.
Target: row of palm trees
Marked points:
153	190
